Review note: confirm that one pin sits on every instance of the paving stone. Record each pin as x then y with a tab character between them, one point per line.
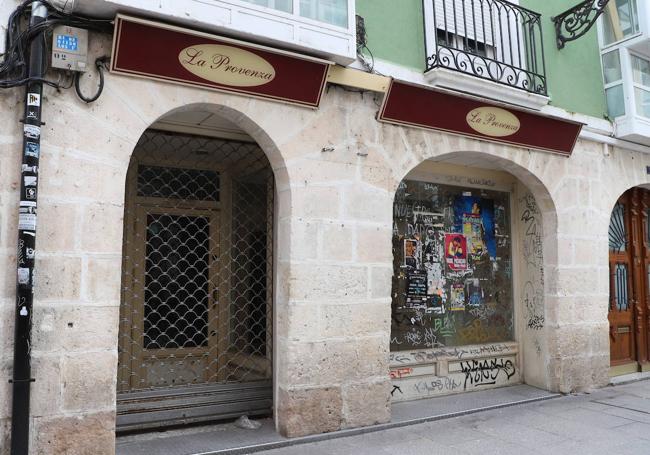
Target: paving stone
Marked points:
565	425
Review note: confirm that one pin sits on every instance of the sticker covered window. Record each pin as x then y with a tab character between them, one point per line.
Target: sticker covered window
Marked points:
452	282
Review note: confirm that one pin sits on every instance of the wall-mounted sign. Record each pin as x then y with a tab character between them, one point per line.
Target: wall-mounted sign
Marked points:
159	51
424	107
493	121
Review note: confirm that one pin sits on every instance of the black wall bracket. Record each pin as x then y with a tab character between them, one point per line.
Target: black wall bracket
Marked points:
575	22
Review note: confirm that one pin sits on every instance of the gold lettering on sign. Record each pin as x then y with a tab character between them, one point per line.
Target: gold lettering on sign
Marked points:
226	65
493	121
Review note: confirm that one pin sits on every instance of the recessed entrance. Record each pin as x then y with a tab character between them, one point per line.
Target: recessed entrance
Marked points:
196	311
629	279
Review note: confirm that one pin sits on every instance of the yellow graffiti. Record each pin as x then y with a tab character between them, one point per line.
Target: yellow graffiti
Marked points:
476	332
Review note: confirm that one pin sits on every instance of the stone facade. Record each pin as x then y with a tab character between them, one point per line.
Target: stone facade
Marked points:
336	171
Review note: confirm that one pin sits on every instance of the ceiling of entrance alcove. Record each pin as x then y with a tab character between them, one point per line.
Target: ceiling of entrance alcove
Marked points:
203	123
470	159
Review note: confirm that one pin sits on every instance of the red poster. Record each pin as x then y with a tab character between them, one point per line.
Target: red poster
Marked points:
456	251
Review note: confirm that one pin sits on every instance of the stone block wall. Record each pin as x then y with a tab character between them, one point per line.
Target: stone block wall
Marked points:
336	172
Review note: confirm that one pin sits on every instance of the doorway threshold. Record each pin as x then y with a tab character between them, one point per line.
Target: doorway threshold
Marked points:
227	439
630	377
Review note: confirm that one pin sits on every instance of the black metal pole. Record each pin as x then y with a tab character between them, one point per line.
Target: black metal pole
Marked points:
26	241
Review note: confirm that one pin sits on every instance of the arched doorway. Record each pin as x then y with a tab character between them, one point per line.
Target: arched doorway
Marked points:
468	293
629	282
196	314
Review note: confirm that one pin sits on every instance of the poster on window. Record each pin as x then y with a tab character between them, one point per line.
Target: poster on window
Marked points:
411	250
457	300
474	217
456	251
416	292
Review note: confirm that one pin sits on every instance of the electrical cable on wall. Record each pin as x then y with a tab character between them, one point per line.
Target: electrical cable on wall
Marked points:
362	47
100	65
13	68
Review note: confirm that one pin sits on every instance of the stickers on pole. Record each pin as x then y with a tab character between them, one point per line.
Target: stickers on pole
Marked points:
33	99
27	216
23	275
32	132
32	149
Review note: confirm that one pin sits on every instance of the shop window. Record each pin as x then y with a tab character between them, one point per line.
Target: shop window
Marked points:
620	21
641	77
613	84
452	282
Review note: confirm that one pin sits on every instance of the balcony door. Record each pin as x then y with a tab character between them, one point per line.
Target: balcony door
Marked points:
629	265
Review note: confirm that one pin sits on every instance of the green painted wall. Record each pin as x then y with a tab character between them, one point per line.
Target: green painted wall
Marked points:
396	34
395	30
574	74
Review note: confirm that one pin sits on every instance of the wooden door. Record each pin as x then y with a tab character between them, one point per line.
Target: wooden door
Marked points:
629	260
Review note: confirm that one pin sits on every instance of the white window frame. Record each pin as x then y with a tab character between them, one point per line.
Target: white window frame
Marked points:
640	17
636	85
621	81
295	14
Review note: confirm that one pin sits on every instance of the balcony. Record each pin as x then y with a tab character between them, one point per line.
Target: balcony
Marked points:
477	45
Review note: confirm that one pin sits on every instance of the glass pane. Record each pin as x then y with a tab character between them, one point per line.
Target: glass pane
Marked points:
612	67
333	12
176	183
615	101
641	71
452	284
620	20
281	5
620	283
642	102
176	282
617	230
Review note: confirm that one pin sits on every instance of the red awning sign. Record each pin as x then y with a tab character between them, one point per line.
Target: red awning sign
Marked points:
159	51
425	107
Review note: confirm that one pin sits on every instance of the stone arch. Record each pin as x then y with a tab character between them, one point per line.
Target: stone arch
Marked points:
536	199
627	278
275	162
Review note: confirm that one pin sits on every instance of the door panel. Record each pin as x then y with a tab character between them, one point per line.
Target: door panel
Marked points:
628	266
177	296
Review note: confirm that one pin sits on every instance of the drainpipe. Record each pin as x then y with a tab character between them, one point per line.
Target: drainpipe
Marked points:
26	241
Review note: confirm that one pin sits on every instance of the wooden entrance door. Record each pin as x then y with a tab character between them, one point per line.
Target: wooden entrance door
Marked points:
629	260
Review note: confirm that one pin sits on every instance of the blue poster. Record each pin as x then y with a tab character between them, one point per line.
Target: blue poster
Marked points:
474	217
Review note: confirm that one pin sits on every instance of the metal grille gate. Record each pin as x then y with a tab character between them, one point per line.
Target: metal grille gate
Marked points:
195	339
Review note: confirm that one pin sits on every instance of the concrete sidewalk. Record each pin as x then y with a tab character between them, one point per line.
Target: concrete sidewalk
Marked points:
613	420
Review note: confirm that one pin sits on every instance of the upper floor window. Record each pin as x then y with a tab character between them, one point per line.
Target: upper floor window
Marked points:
334	12
280	5
494	40
620	21
641	77
613	77
446	38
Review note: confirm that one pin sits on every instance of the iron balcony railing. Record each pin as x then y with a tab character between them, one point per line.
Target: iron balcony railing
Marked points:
490	39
